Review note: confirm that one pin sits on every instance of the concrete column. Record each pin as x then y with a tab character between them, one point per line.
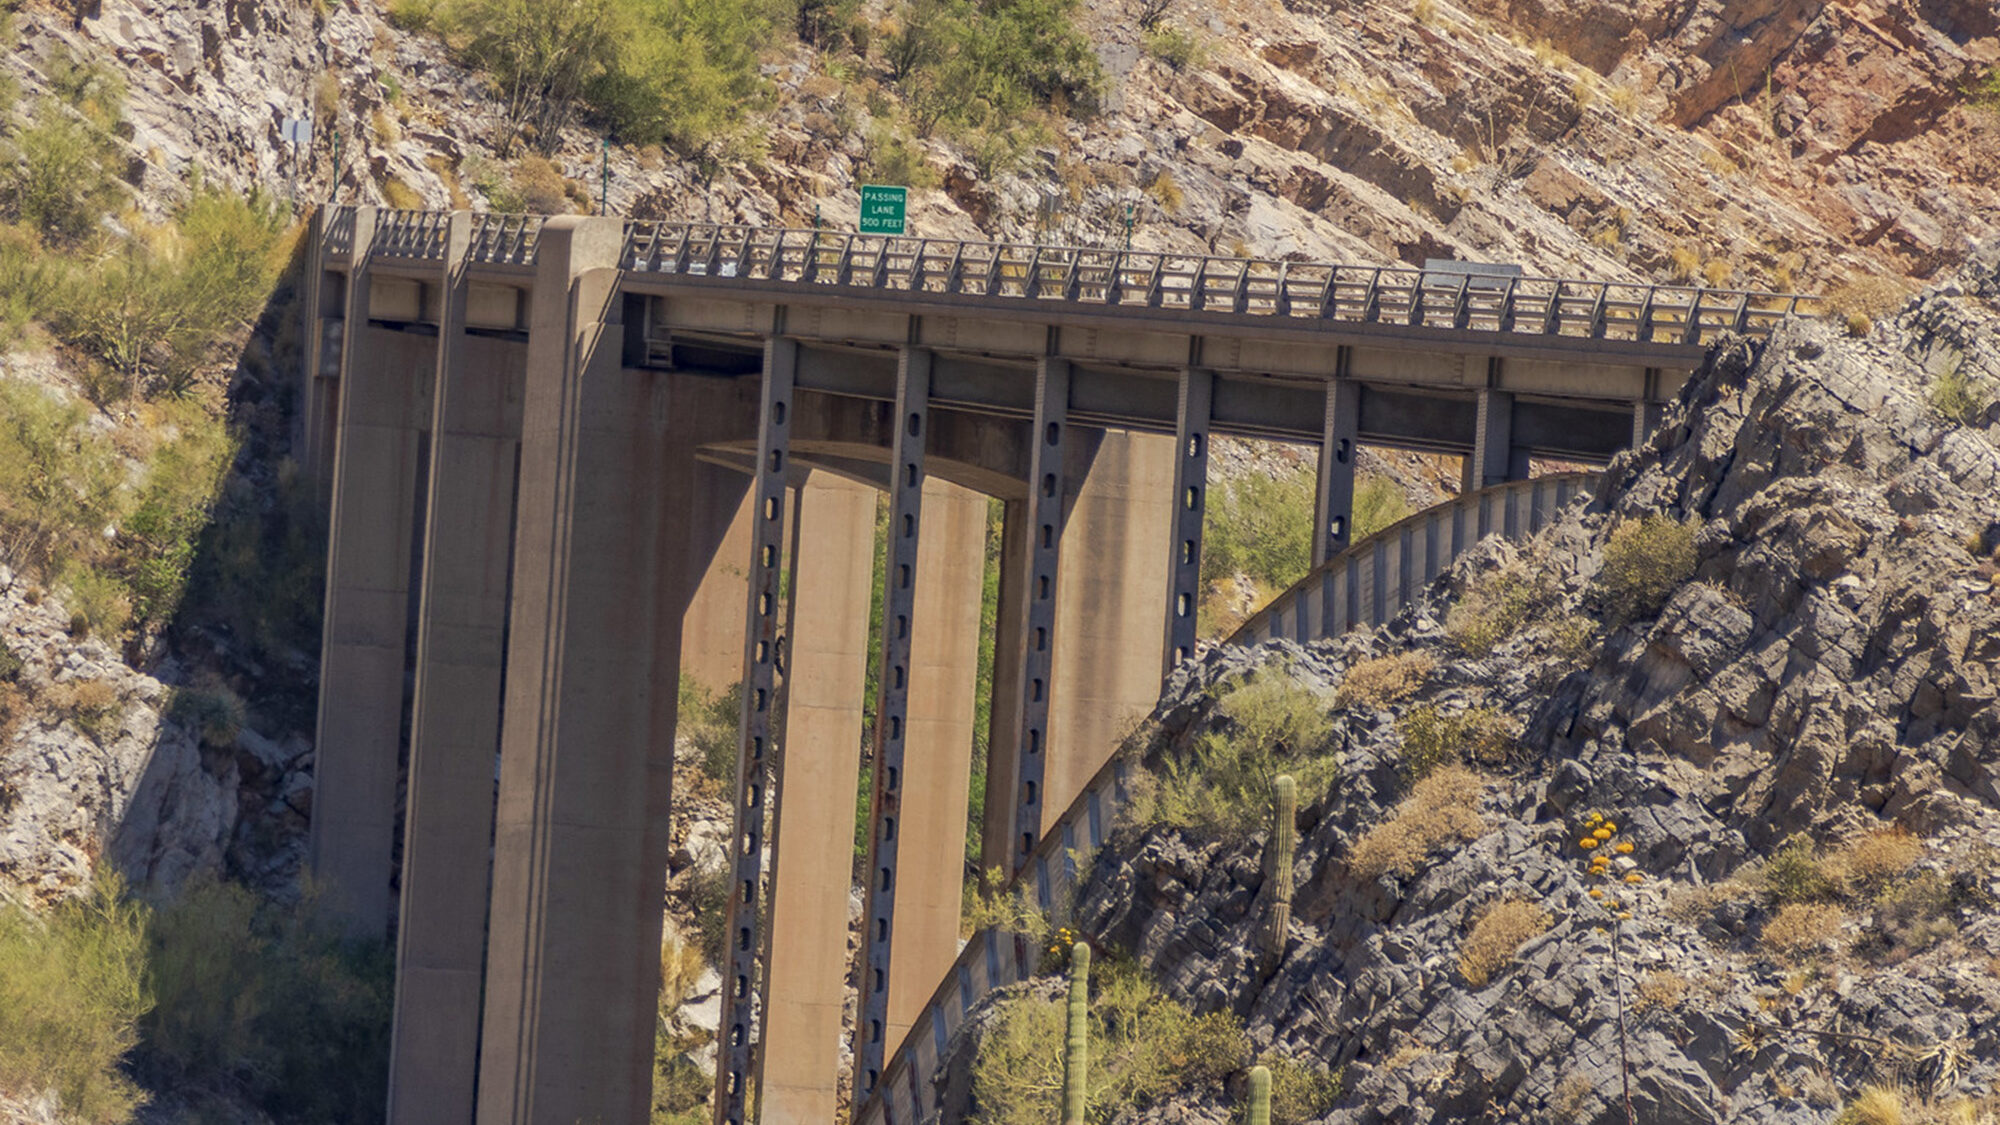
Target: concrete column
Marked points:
902	571
805	977
1108	641
712	629
1190	502
378	466
1645	419
1494	458
1333	530
747	936
1003	741
937	761
455	713
616	523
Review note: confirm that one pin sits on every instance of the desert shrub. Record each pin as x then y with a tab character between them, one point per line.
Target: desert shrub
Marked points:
211	710
708	898
1382	680
164	526
270	1001
1802	928
1441	809
680	1090
93	705
30	278
1433	739
57	484
1870	861
1496	606
1175	46
1796	874
1166	191
1301	1091
1645	561
1260	526
1915	913
72	990
540	185
1868	299
1875	1105
57	175
1660	988
1500	929
1378	504
892	159
1959	398
99	601
1222	787
1143	1047
711	723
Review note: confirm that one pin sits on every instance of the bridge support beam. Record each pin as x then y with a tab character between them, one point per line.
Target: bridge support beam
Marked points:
1108	643
1190	503
892	797
937	765
826	664
378	469
618	521
1037	609
755	797
455	713
1495	459
1339	446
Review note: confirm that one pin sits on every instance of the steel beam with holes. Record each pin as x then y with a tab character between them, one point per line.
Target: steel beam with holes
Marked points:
1190	500
753	757
1333	507
1045	506
899	597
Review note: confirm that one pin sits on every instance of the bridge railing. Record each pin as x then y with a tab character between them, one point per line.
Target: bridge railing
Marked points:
1365	585
1397	295
1203	283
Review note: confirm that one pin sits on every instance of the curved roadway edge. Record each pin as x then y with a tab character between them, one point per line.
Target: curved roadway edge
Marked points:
1351	585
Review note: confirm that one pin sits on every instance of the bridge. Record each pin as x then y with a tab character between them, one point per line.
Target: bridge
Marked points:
568	460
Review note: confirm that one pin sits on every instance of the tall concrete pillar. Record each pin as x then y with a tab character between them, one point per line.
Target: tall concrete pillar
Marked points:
805	977
1333	527
937	761
455	712
1108	641
1190	503
712	630
1003	740
616	523
378	466
1494	458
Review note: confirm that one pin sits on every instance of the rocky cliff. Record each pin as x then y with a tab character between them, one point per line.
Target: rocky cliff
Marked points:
1793	742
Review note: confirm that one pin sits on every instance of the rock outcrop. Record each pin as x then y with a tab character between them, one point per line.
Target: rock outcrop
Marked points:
1801	744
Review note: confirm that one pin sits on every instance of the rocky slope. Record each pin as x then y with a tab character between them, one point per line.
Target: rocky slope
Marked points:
1801	744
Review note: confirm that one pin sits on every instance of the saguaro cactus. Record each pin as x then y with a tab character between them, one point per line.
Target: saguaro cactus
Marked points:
1260	1095
1076	1058
1278	911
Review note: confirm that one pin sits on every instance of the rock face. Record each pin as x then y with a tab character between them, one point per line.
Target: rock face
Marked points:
1830	674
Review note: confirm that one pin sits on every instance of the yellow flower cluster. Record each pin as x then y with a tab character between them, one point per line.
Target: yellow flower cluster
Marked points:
1596	841
1062	939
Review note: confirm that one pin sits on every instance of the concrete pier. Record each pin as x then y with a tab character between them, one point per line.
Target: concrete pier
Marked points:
805	980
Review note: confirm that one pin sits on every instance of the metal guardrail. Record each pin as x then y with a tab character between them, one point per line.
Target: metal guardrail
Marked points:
1347	590
1298	291
1372	581
1282	290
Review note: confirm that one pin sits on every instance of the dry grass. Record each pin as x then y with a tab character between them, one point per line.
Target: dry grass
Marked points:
1869	862
1683	263
1382	680
1875	1105
1660	988
1800	929
93	705
1501	929
1442	809
1864	300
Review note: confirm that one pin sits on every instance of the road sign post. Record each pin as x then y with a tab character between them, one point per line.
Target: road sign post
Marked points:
883	209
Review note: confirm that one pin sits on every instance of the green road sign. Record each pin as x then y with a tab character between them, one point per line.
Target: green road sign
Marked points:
883	208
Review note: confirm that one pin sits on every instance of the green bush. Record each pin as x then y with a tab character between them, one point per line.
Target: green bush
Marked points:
57	482
57	175
987	63
1176	46
1495	607
1260	526
164	527
1959	398
1378	504
1795	873
269	1001
891	159
214	712
30	278
1432	739
1645	561
1301	1092
1222	787
1143	1047
72	990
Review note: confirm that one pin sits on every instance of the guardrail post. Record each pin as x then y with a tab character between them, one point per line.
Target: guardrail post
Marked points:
1333	505
1190	501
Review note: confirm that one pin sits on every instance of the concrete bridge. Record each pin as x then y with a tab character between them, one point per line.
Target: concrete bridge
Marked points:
569	460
